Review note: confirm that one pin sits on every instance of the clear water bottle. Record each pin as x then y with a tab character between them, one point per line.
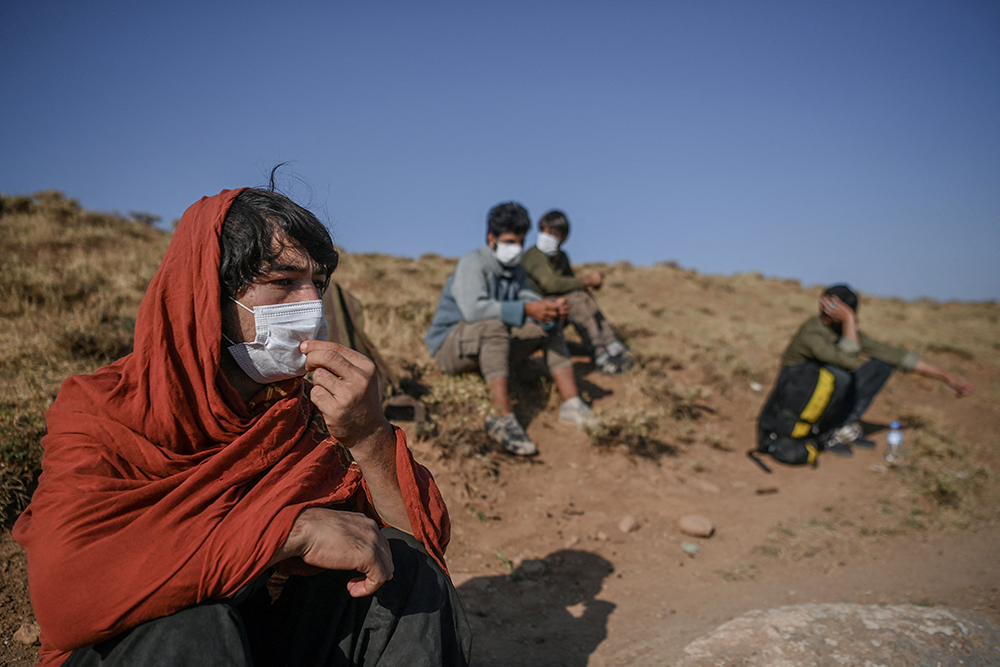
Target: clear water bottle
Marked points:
894	438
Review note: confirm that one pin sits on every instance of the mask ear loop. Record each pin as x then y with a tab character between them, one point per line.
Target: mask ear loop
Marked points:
249	310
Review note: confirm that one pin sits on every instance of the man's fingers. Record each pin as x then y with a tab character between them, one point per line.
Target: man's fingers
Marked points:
353	356
380	570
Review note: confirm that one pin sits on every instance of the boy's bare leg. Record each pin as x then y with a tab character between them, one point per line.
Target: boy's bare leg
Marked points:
498	394
565	382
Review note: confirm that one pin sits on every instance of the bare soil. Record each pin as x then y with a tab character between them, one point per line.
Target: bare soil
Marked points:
846	531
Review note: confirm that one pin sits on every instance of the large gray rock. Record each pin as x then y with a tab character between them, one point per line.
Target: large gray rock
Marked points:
834	635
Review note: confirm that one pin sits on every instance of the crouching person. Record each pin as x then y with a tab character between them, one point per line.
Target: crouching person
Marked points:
176	480
488	318
551	275
825	385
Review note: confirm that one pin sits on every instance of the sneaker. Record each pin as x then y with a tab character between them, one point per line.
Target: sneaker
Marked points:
607	365
864	443
849	433
626	363
508	433
577	413
839	448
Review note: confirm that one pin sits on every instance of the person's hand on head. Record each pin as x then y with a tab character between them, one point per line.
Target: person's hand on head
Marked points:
835	309
544	311
345	390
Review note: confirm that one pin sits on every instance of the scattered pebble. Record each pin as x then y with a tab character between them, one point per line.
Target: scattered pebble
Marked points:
28	634
757	386
601	536
693	524
572	541
689	548
628	524
708	487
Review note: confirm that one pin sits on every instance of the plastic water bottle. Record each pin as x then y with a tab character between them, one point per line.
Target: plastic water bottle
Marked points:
894	438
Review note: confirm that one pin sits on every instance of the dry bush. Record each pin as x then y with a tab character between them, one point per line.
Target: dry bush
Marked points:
635	430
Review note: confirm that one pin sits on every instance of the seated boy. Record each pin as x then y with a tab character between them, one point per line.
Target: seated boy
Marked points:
824	386
488	318
550	274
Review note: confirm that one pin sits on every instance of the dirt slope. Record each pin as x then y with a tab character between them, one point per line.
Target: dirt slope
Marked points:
546	573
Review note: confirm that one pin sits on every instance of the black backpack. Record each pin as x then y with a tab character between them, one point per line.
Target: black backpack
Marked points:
799	414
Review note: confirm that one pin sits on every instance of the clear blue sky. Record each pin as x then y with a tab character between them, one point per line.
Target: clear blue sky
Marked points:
823	141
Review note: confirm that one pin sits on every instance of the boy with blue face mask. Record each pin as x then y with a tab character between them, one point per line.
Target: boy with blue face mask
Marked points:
550	274
488	318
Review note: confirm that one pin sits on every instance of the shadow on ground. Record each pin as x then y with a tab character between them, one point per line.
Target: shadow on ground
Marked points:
543	613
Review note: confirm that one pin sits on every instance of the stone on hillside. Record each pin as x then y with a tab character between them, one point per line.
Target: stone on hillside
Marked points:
706	486
849	634
28	634
698	526
628	524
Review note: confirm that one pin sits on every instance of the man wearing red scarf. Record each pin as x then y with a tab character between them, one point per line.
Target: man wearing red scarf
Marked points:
176	480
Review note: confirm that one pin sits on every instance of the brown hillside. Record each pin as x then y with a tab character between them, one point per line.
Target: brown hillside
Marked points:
547	575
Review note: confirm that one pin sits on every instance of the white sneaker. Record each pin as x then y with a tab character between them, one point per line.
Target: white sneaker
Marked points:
506	430
577	413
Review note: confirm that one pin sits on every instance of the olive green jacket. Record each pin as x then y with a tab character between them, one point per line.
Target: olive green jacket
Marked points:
550	276
816	341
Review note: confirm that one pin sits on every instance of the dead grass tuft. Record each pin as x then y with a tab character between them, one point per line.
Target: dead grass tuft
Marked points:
636	431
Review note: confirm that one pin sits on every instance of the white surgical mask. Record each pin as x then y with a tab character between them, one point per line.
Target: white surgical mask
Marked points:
274	354
508	254
548	243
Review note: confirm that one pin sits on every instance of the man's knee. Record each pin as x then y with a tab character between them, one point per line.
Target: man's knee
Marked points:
209	634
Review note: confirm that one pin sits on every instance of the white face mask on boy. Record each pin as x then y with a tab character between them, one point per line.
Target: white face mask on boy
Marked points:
274	354
548	243
508	254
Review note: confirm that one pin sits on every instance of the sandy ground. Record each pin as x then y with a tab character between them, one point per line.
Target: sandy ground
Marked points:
846	531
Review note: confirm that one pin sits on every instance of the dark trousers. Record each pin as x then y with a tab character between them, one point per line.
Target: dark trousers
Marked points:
862	386
414	619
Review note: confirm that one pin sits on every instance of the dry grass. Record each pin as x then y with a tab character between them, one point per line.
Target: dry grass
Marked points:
70	286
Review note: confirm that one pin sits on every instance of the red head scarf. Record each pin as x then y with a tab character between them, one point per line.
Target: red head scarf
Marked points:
160	488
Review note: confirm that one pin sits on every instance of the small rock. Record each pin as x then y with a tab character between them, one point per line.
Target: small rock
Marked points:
572	541
689	548
708	487
756	386
693	524
601	536
628	524
28	634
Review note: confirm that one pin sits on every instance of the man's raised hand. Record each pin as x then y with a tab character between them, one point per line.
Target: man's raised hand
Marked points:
345	390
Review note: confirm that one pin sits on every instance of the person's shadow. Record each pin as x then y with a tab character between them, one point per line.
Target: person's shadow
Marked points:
544	613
